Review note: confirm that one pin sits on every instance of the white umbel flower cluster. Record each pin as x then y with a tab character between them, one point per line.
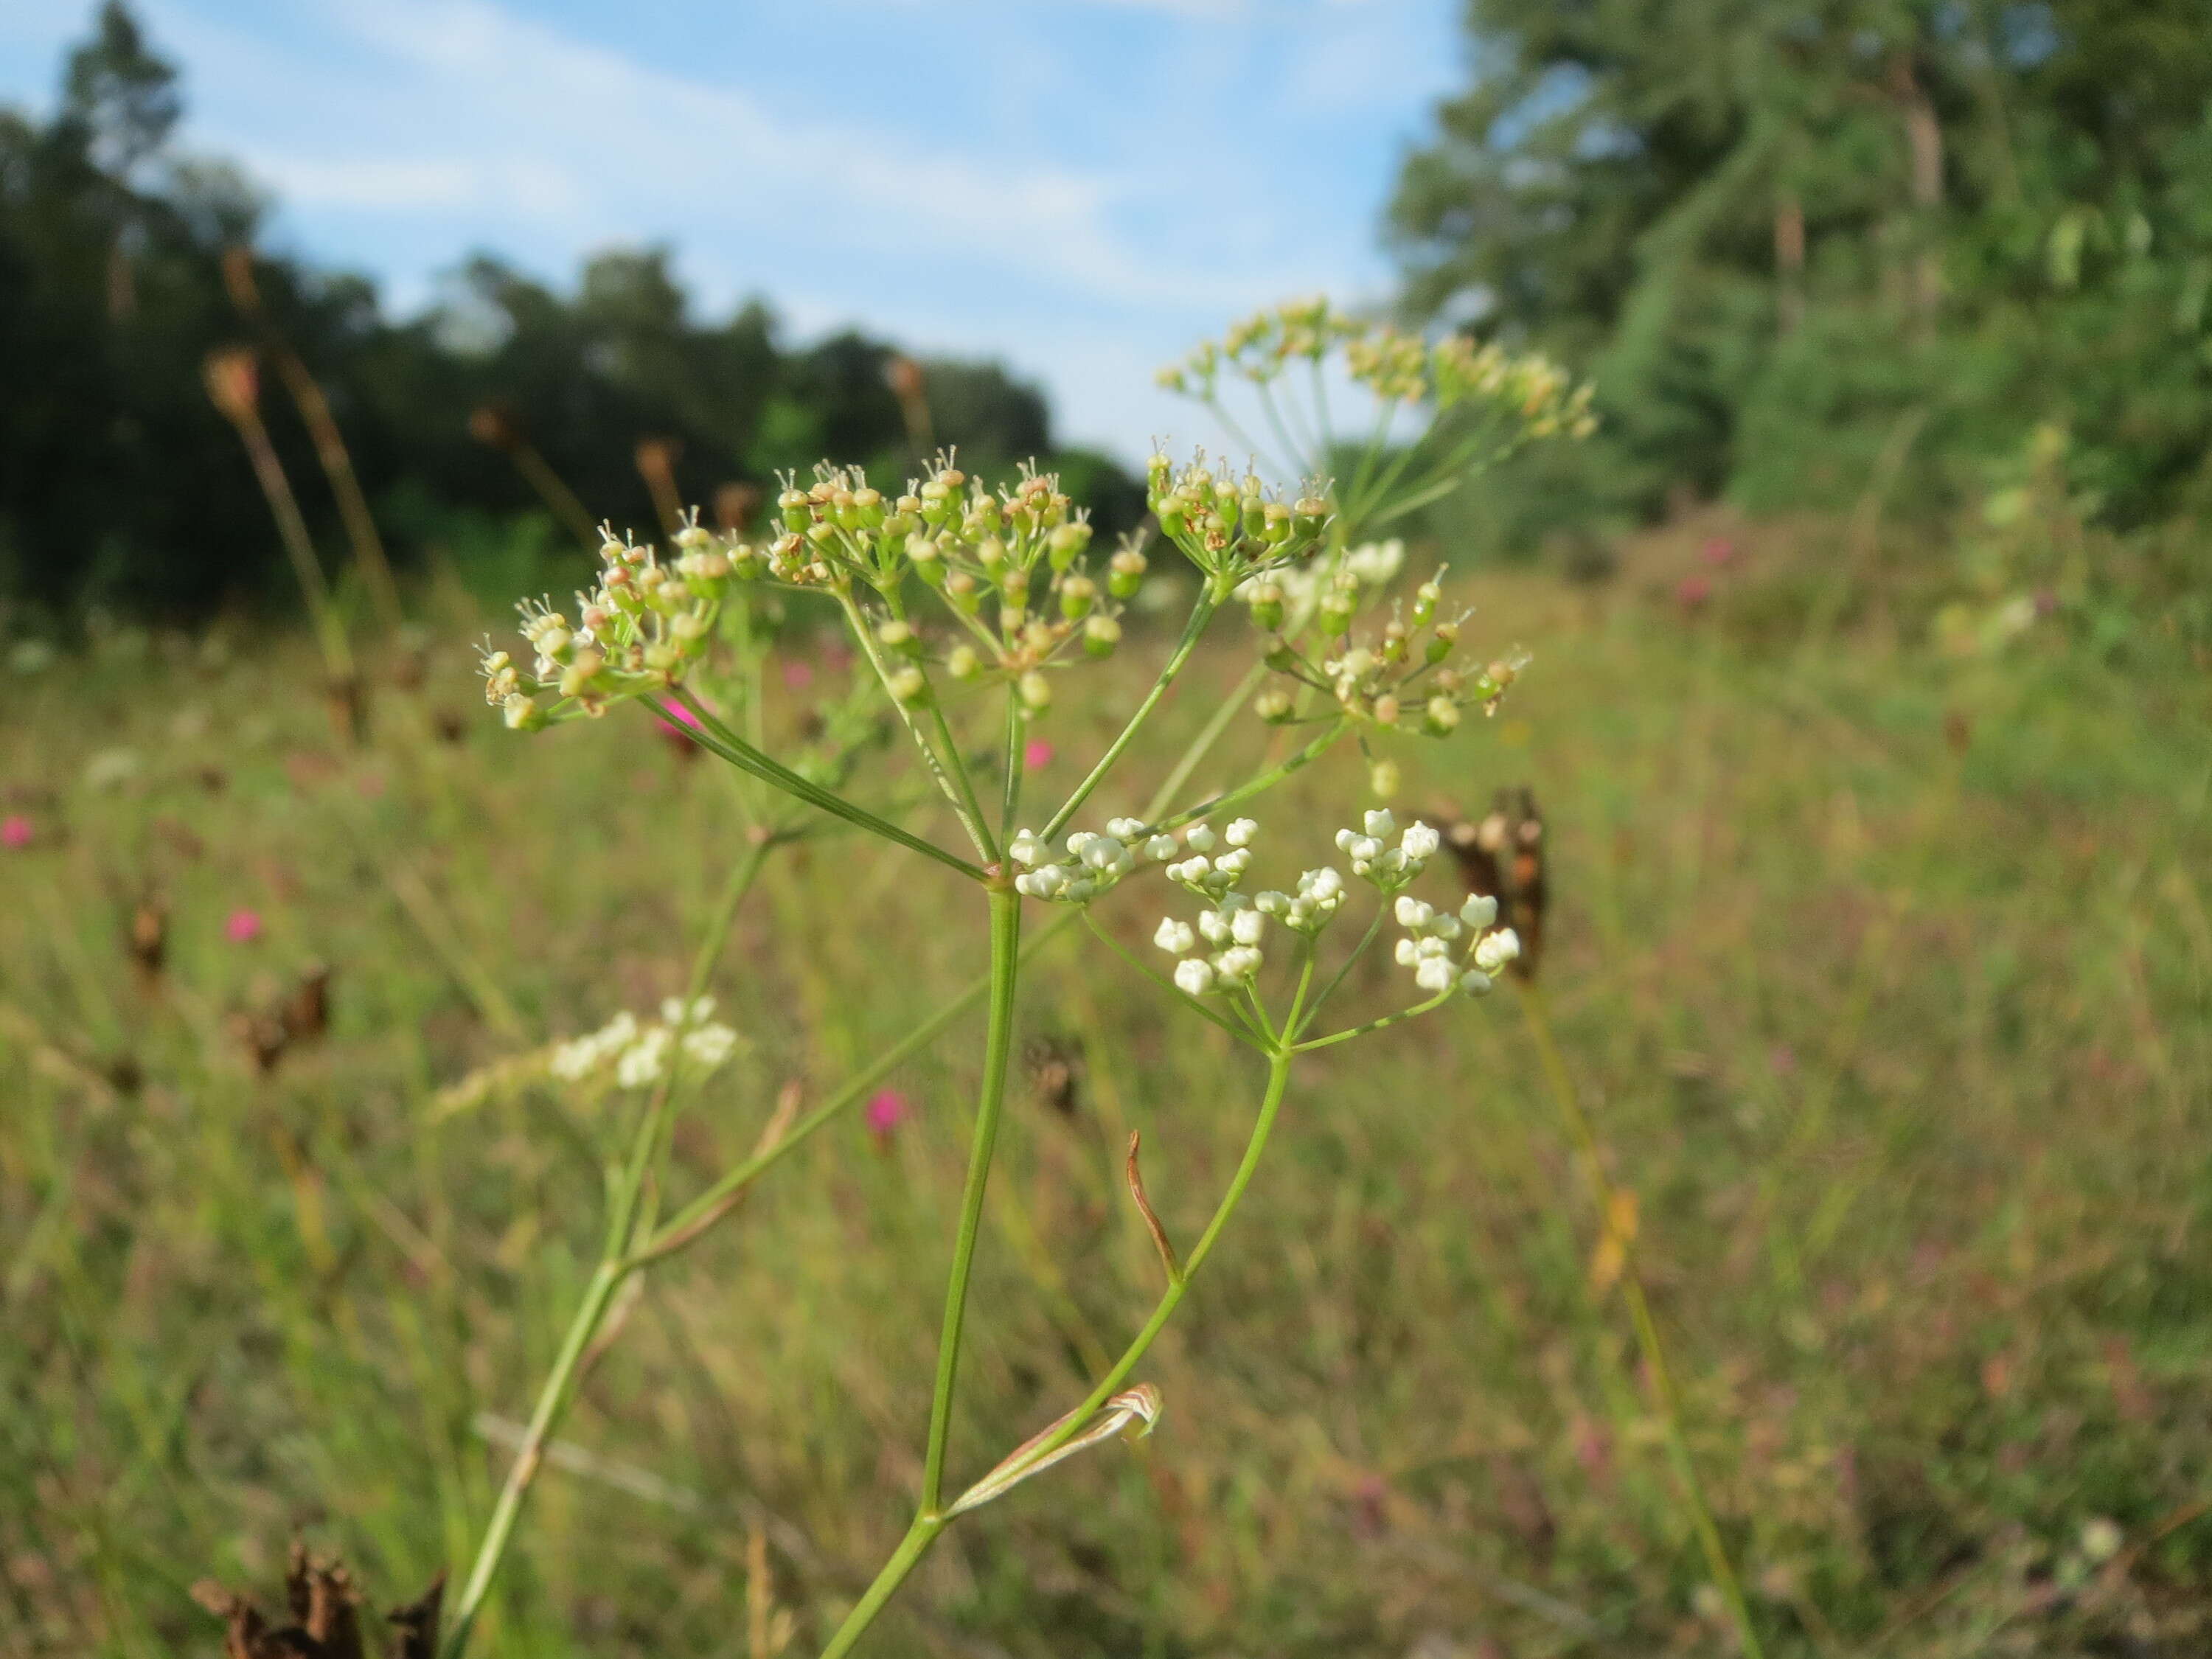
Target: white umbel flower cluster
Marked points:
1086	863
638	1053
1234	924
1388	867
1432	945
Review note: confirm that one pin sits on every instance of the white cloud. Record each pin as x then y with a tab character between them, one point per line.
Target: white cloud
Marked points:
1092	227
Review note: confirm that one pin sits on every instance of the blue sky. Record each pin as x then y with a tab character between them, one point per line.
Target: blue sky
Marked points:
1080	188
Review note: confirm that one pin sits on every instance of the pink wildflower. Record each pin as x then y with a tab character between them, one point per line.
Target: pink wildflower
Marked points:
243	927
1718	552
1693	592
15	831
798	676
887	1109
1036	755
677	718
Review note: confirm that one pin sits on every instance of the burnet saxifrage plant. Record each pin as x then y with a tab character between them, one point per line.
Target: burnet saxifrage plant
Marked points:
974	610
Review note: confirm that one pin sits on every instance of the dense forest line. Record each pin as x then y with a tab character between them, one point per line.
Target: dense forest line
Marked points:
1806	247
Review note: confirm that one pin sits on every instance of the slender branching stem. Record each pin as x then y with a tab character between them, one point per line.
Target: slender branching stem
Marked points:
685	1226
1382	1025
931	1521
624	1219
1208	735
998	1044
1554	1064
1201	615
942	755
1262	783
711	735
1194	1004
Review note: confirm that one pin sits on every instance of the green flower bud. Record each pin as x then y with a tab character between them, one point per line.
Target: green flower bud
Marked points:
1280	657
1065	544
1274	705
1393	642
1078	595
909	686
1157	472
1125	572
868	503
1100	635
1383	778
1440	717
522	713
1385	710
1334	615
1265	600
897	637
1014	583
963	662
965	592
1275	524
1308	513
797	510
992	551
1036	691
926	555
1424	603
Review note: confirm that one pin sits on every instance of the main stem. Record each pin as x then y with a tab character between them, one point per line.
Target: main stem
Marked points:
932	1520
1554	1066
998	1044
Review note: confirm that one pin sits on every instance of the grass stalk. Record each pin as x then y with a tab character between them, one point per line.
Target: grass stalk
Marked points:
1552	1062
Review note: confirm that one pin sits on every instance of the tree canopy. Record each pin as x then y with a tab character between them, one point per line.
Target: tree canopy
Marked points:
1791	237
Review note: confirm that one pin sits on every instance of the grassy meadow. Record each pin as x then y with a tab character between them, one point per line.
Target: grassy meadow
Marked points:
1885	978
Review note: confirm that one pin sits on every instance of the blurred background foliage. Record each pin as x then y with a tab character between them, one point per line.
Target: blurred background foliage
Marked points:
1816	249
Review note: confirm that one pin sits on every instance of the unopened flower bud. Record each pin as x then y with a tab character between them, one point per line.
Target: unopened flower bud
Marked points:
1036	691
1101	634
797	510
1125	572
1274	705
1383	779
1065	544
1424	603
1077	594
962	664
1441	716
1267	602
909	686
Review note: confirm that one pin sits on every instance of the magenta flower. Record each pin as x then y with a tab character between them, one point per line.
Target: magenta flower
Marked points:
798	676
1718	552
677	718
1693	592
243	927
1036	755
887	1109
15	831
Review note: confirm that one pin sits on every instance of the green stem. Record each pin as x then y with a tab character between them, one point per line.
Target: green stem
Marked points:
717	738
918	1537
1554	1067
1201	614
553	1400
931	1521
1208	735
947	768
695	1217
615	1264
1382	1025
1260	784
998	1044
1278	1079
